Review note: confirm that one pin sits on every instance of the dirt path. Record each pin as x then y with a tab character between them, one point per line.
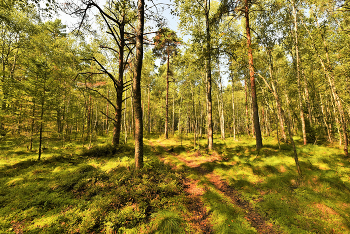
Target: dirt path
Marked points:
259	222
200	217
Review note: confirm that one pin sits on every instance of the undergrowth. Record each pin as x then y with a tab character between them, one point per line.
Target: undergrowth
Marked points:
317	202
97	190
78	190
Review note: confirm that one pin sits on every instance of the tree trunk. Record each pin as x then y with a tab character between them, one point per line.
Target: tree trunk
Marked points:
324	117
233	111
208	77
149	113
246	107
302	118
221	109
258	137
167	99
41	122
274	85
119	86
107	112
137	86
173	114
32	127
125	122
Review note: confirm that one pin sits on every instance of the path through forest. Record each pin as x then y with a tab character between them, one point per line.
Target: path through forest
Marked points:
195	189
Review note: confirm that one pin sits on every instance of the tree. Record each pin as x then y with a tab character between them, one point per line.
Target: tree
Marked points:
166	43
252	79
117	15
137	85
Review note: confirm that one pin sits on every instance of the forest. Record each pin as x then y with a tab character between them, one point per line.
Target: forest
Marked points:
235	120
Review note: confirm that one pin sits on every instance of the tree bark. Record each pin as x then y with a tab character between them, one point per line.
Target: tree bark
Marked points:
137	86
32	127
119	85
233	111
274	85
258	137
167	98
208	76
41	122
302	118
149	113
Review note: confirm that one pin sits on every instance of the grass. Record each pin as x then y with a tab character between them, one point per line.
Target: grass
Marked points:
76	190
319	202
84	191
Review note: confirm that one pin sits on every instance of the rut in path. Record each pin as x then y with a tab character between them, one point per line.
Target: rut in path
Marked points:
252	216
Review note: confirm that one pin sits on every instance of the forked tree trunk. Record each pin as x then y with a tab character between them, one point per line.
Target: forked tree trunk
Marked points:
258	137
137	86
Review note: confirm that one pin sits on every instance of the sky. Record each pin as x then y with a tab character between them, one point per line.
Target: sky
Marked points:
171	20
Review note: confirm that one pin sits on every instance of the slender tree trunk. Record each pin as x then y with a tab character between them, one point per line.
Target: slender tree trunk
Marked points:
167	98
41	122
194	118
324	117
302	118
258	137
149	113
173	114
246	107
125	122
221	109
137	86
119	86
32	128
233	111
107	112
208	77
274	85
296	159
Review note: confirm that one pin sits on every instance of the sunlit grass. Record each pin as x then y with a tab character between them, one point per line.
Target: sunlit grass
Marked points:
269	181
79	190
74	189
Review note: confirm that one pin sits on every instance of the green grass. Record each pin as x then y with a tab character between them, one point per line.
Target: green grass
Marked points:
319	202
76	190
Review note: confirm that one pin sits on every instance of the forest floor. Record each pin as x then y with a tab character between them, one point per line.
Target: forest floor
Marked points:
181	189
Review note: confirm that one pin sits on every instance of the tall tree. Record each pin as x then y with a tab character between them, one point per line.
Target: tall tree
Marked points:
166	43
137	85
252	79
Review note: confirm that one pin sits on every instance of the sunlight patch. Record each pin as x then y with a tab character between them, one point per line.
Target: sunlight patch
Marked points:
14	181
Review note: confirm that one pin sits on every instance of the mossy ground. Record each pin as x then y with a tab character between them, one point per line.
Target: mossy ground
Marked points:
74	190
